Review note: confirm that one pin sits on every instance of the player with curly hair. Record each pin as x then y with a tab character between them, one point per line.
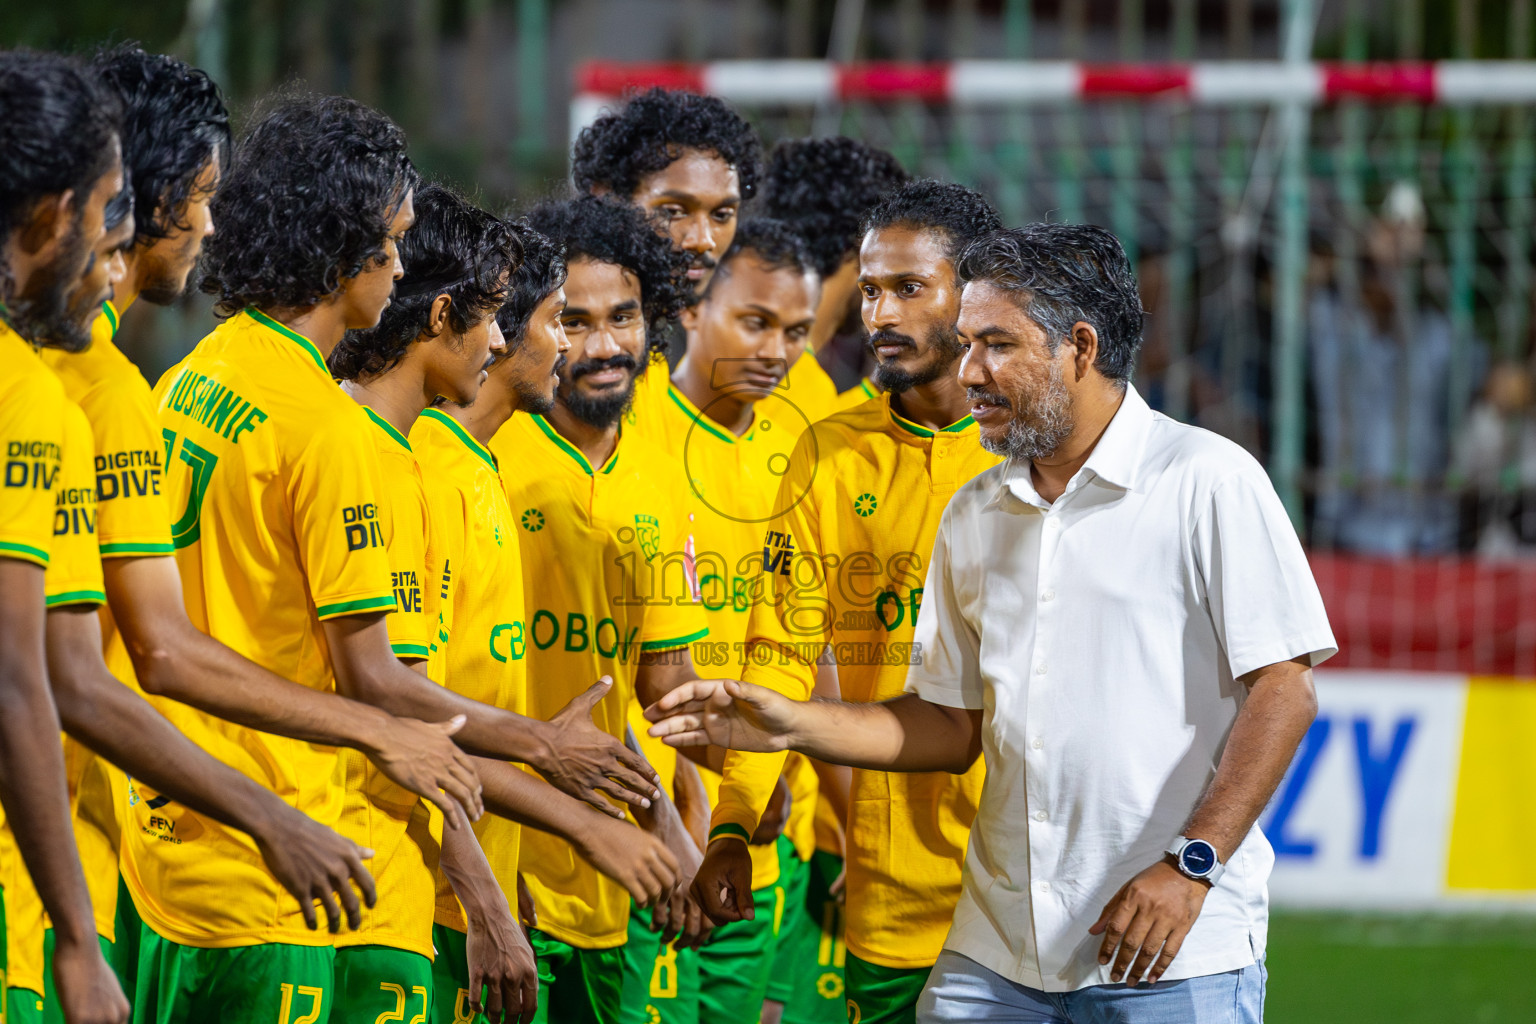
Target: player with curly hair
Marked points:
275	479
60	166
824	188
687	161
175	136
434	342
587	491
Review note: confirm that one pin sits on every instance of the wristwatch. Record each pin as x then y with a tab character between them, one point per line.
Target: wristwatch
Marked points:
1196	858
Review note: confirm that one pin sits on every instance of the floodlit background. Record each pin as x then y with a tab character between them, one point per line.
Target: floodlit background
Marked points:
1343	287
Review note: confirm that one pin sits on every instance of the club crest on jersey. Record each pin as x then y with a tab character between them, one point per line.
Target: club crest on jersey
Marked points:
648	535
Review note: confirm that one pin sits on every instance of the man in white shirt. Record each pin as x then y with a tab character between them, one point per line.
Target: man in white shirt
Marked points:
1122	617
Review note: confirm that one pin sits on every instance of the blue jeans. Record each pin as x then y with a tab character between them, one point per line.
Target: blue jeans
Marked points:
961	990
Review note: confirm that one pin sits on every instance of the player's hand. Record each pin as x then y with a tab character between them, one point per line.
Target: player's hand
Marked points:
422	757
591	765
1148	920
502	967
725	712
316	864
775	816
685	925
723	885
637	860
838	890
88	990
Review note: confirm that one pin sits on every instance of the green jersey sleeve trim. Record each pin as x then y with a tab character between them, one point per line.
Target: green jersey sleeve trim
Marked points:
364	604
11	549
729	830
668	645
410	650
75	597
135	548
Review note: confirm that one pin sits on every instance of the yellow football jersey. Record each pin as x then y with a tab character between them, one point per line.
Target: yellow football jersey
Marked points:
24	921
857	395
607	578
32	432
479	647
272	475
404	832
810	387
873	487
74	578
731	493
132	521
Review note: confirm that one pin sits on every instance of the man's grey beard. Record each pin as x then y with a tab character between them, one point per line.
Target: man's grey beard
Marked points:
1039	429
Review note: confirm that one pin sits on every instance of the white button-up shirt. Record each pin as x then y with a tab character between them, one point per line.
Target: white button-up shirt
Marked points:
1102	635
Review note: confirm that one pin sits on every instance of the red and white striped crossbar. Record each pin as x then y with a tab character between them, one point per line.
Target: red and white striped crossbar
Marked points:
988	82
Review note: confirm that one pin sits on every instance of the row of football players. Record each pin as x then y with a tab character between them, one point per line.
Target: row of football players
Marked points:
511	494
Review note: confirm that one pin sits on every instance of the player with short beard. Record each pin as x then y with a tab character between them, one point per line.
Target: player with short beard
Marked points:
874	482
599	531
824	188
60	165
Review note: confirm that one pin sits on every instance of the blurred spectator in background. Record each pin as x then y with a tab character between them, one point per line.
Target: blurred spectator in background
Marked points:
1496	458
1380	366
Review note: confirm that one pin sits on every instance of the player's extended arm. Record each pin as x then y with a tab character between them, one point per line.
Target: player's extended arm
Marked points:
836	780
569	750
311	861
499	956
36	799
679	916
637	861
173	658
904	734
1152	914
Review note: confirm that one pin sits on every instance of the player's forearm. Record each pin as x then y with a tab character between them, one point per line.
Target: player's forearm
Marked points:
34	794
905	734
191	667
470	875
488	731
174	659
1280	707
520	796
122	727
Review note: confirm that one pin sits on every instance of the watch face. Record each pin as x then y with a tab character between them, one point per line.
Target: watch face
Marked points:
1199	857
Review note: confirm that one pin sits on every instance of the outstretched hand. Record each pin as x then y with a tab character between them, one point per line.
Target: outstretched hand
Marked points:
726	713
591	765
422	757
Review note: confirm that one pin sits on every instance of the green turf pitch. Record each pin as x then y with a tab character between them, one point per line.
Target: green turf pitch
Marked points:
1401	969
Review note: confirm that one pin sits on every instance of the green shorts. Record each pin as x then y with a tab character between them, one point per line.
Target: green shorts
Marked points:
53	1013
125	951
23	1006
661	984
450	978
578	986
808	964
273	983
382	983
736	963
883	995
